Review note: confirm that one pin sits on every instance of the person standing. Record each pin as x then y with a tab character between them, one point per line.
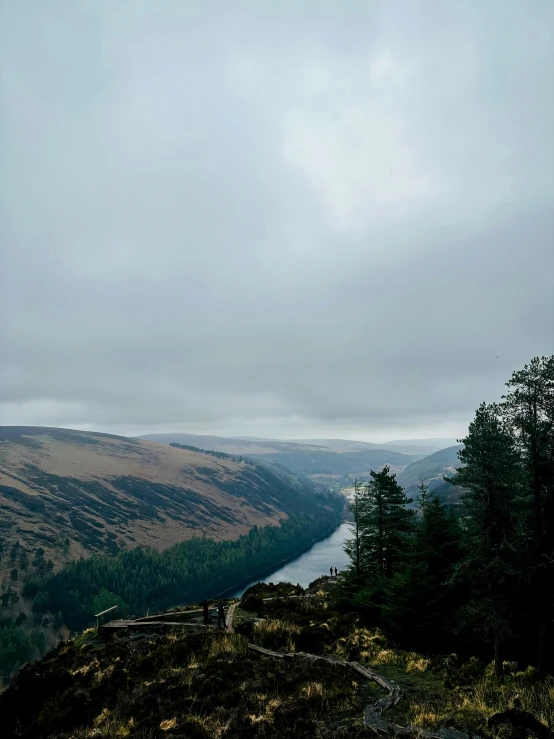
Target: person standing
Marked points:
220	615
336	572
205	612
331	571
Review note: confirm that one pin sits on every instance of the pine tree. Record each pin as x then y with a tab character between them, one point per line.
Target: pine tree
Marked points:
492	474
528	410
353	547
386	524
420	600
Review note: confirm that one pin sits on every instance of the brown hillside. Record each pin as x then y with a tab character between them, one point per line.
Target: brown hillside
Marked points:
104	492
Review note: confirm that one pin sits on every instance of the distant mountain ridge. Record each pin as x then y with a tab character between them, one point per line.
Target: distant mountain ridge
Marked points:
331	457
227	444
434	444
349	445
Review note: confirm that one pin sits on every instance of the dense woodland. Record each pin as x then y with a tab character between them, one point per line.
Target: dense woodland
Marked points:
479	579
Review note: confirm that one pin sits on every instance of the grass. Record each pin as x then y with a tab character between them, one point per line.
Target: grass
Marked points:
199	685
278	635
209	684
438	692
444	693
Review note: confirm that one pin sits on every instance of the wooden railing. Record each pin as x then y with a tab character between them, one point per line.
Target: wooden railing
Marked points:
97	616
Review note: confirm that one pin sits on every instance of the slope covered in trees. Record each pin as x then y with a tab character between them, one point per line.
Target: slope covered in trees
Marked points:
143	578
483	580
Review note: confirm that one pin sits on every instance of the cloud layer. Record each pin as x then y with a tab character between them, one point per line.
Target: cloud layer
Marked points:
285	219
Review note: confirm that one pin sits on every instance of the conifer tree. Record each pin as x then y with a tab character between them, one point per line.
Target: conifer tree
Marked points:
420	600
353	546
386	524
492	474
380	545
528	410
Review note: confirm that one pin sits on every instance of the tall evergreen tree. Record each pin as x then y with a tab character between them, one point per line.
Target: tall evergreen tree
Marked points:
437	551
420	600
380	544
353	546
386	524
528	410
492	474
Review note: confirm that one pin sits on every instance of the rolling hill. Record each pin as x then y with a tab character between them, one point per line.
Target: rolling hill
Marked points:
332	457
433	445
336	463
432	470
230	445
70	493
349	445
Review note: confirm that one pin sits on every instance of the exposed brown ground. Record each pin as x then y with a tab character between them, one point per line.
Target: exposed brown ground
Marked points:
98	489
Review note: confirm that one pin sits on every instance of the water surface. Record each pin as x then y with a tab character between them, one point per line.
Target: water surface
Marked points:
310	565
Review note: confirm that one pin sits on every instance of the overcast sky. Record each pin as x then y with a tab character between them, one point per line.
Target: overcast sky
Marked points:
294	218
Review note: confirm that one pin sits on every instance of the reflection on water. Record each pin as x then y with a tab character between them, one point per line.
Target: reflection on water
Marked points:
312	564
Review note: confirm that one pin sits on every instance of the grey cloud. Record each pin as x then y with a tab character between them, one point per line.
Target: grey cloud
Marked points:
313	219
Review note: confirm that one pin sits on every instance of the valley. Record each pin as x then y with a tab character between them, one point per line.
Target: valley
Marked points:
71	493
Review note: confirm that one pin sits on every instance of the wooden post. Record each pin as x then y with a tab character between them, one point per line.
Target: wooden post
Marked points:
97	615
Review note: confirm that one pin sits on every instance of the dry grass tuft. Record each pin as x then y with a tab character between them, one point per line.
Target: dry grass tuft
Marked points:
169	723
276	634
428	714
488	697
313	690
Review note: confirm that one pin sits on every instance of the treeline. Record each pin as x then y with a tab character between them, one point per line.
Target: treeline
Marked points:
143	578
17	646
21	638
480	579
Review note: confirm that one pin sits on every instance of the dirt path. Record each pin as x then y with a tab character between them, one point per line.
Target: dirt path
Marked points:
229	618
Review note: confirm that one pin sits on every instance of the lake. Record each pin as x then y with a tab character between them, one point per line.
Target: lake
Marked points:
310	565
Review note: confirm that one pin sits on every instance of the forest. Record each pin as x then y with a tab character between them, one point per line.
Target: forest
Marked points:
143	578
477	579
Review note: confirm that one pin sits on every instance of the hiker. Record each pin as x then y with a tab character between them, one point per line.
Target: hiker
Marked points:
331	571
205	612
220	615
336	572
